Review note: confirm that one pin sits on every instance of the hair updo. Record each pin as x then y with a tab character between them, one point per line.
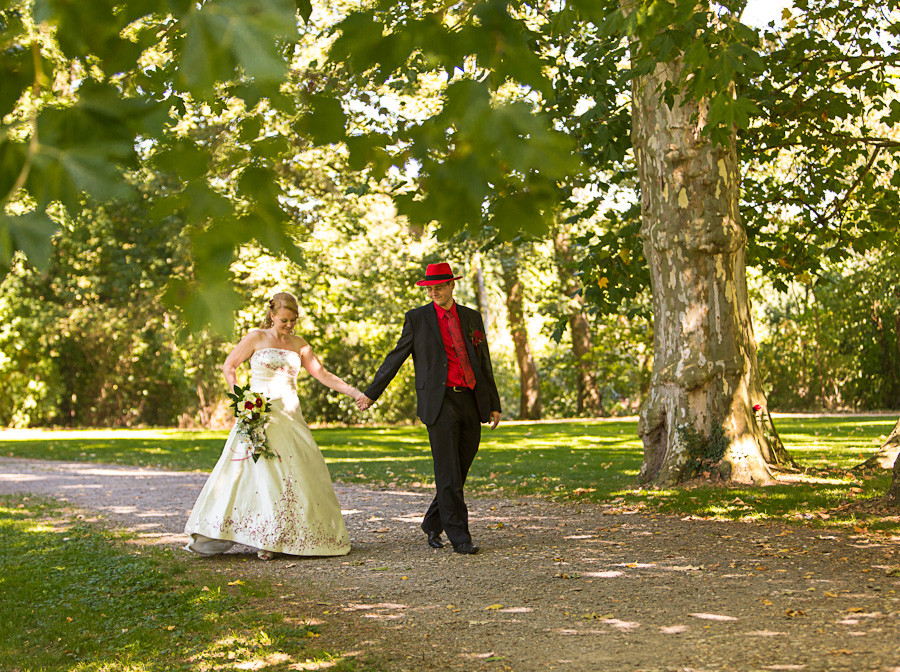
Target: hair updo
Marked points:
280	300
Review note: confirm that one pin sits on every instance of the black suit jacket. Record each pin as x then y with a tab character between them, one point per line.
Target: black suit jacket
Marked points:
421	338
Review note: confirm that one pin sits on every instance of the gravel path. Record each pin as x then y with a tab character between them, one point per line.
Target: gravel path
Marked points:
556	587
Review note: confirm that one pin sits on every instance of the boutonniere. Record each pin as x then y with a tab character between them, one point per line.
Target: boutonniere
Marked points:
477	337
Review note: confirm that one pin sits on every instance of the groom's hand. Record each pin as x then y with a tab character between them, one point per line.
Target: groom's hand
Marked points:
364	402
495	419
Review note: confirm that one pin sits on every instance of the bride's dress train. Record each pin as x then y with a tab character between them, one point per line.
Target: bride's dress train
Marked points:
283	505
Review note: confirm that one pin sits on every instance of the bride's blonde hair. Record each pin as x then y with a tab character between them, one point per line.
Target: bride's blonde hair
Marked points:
280	300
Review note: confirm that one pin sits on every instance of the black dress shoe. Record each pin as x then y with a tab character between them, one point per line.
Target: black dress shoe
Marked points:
434	540
466	548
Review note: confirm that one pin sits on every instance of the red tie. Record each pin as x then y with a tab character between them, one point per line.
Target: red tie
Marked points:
457	338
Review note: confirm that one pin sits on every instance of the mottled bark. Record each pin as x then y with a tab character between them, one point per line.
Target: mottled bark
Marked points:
705	370
886	457
529	389
589	399
894	491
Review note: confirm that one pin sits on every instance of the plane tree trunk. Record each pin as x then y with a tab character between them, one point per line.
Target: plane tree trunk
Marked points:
705	381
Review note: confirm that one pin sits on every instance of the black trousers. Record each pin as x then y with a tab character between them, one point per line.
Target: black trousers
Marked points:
454	438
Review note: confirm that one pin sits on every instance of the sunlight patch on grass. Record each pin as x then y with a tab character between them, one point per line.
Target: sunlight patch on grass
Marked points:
77	601
577	460
70	434
386	458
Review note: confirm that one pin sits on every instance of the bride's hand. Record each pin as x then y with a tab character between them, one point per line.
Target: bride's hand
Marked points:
363	402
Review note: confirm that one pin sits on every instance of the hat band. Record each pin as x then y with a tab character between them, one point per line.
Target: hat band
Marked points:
444	276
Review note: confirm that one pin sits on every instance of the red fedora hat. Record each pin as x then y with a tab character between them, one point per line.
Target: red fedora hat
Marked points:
435	274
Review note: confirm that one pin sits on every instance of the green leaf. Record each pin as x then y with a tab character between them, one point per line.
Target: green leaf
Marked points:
185	159
522	212
249	129
271	234
202	203
228	37
17	66
31	233
368	152
84	147
13	159
305	8
94	28
211	303
325	122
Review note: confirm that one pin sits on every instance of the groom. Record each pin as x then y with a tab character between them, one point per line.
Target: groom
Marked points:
455	393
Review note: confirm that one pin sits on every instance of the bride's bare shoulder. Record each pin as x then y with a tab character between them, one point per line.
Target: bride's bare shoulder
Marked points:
255	337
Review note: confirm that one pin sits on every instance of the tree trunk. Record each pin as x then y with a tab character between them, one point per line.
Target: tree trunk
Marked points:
481	294
886	457
590	399
894	491
529	390
705	372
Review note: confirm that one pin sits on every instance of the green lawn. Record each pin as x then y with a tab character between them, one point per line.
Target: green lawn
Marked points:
74	598
572	460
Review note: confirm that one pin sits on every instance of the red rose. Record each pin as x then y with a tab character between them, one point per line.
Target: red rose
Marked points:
756	407
258	402
477	338
248	405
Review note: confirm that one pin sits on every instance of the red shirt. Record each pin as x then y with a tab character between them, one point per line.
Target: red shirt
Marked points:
454	373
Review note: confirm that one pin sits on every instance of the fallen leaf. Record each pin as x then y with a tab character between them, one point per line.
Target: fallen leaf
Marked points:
236	582
793	613
494	606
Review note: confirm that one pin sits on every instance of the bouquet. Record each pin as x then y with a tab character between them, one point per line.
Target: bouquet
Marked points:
252	412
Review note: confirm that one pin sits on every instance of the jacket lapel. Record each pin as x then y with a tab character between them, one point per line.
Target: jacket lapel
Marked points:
432	321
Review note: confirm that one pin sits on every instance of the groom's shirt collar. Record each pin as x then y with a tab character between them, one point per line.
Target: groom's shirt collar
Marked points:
442	311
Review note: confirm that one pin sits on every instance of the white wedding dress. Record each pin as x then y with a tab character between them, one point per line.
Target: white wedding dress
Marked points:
283	505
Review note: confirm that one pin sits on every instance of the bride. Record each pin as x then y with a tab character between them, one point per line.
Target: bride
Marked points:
282	504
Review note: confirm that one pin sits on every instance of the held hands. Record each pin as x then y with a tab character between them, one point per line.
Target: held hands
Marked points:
363	402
